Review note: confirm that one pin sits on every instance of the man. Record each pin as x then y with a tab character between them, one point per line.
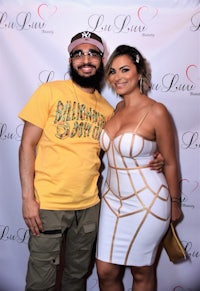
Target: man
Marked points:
63	120
59	167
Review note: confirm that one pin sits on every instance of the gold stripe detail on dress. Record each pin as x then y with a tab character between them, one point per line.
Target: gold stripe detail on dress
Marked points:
127	169
139	227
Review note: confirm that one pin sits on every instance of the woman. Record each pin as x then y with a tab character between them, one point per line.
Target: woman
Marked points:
137	203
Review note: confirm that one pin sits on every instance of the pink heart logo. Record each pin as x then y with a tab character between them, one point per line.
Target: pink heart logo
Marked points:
193	74
45	11
147	13
189	186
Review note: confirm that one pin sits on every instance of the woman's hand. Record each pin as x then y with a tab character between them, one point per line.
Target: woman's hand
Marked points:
177	213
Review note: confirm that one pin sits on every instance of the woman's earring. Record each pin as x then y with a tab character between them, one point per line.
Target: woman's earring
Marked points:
141	89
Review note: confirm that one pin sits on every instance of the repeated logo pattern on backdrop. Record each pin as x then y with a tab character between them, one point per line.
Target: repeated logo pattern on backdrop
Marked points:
34	36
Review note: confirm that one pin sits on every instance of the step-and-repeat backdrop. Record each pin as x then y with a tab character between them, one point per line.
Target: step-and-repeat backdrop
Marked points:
33	50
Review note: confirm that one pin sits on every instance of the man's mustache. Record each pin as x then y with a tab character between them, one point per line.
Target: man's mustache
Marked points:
86	65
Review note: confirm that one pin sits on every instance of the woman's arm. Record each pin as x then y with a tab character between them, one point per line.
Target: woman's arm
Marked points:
165	137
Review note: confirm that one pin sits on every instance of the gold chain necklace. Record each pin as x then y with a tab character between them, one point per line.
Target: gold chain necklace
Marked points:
86	92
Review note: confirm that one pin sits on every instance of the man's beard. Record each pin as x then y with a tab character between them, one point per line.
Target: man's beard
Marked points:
94	81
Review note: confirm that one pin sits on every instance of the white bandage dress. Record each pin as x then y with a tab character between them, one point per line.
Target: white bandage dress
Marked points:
135	206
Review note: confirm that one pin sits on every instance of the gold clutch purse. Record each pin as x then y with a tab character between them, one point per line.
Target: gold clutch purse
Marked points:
173	245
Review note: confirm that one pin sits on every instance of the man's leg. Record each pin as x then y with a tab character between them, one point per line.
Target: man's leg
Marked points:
45	253
80	239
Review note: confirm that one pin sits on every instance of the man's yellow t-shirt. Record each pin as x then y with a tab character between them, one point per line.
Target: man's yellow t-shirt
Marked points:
67	158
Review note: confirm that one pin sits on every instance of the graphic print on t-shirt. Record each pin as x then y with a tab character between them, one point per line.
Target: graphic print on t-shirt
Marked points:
75	119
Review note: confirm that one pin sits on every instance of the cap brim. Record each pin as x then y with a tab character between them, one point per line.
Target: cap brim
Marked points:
85	40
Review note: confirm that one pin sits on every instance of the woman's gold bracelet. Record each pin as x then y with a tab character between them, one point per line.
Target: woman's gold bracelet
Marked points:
176	199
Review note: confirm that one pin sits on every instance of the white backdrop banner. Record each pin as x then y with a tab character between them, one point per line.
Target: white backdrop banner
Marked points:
34	36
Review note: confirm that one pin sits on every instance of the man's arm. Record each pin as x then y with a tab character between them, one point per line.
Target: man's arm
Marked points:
157	163
30	207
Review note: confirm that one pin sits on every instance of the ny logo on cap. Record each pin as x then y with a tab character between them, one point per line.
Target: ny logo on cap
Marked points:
86	34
